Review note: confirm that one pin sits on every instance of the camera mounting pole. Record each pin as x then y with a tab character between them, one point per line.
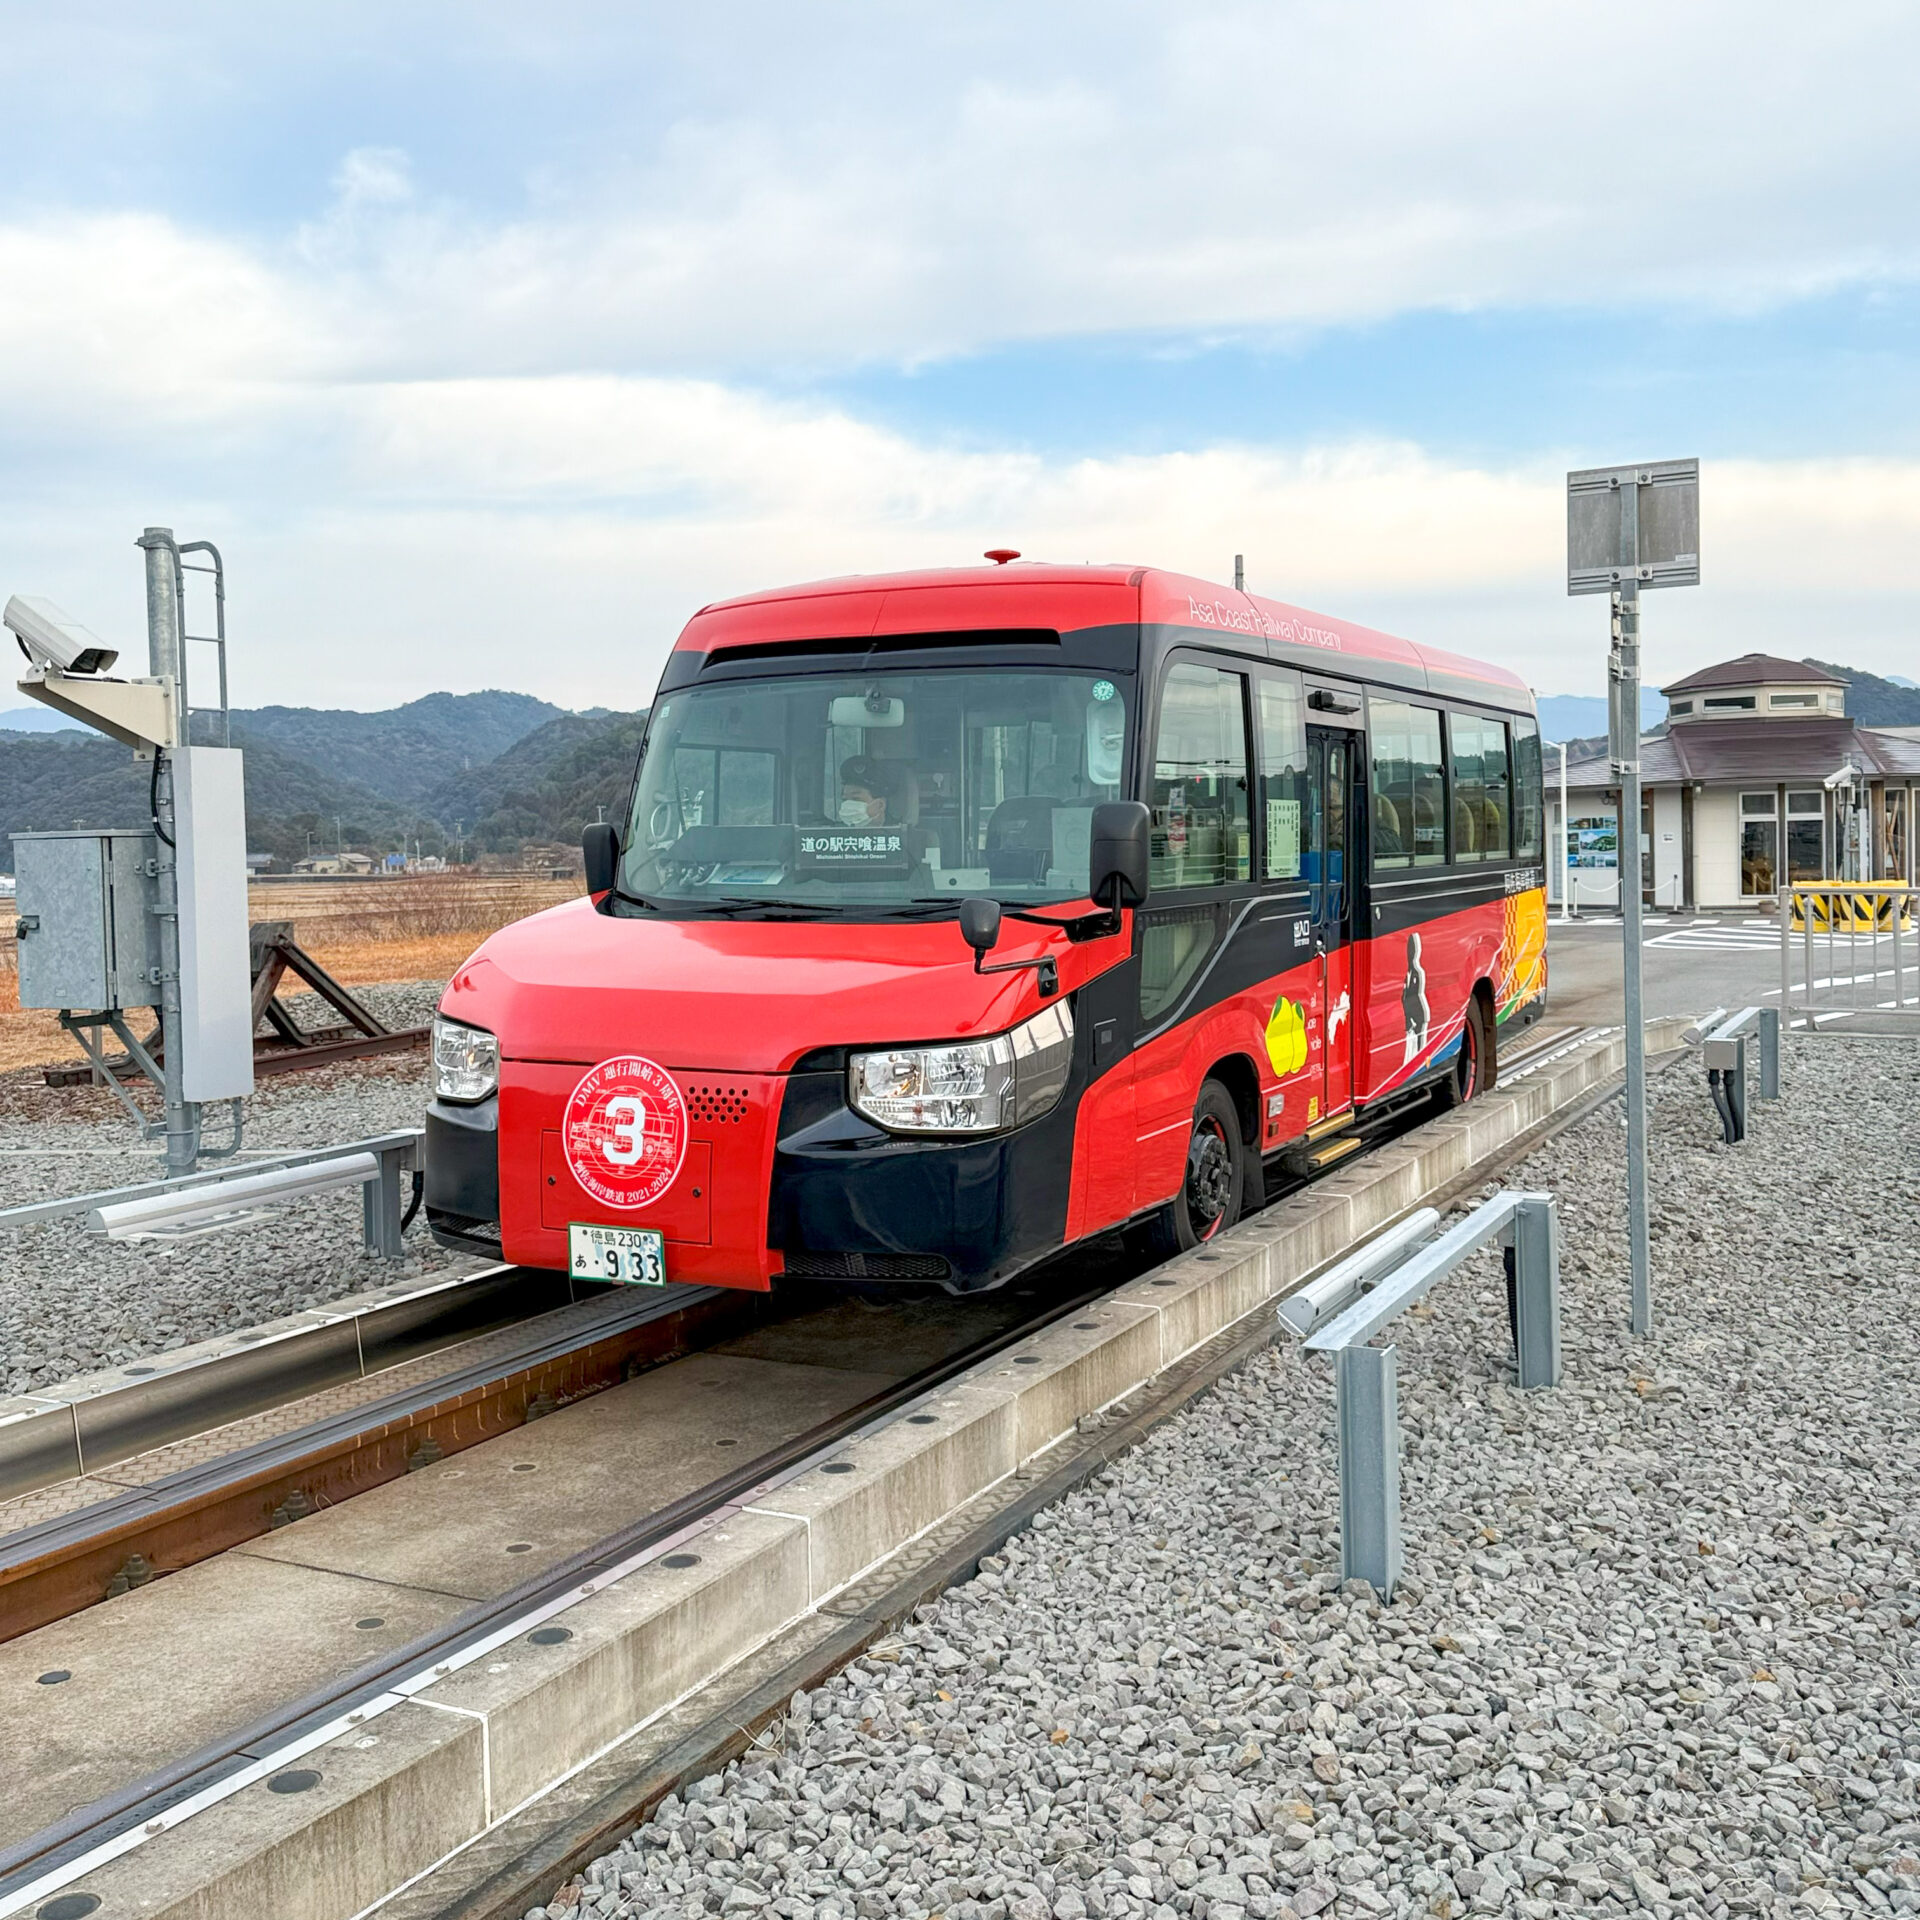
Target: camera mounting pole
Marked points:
166	662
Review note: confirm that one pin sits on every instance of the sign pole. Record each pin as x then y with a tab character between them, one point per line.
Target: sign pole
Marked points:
1624	682
1630	528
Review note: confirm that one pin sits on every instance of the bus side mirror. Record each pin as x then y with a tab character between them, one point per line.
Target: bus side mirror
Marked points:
600	852
980	926
1118	851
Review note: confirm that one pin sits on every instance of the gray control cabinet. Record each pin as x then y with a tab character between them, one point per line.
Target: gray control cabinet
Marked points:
88	939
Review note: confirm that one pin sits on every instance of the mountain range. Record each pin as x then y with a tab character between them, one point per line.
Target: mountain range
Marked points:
491	772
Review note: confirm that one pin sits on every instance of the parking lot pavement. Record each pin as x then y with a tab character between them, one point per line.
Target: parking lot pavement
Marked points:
1689	962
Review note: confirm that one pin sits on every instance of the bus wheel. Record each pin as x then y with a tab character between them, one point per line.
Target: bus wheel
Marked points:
1473	1064
1214	1185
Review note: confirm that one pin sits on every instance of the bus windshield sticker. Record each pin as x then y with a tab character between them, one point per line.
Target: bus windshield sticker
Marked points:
853	848
1283	837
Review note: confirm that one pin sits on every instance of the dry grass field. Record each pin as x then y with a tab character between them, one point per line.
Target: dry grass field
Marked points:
364	932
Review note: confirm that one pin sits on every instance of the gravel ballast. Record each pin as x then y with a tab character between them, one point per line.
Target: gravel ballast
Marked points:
73	1303
1654	1651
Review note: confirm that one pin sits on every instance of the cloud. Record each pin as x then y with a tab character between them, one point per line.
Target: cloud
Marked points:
765	192
505	405
555	533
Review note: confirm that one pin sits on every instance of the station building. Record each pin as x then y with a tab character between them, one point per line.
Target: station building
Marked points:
1739	793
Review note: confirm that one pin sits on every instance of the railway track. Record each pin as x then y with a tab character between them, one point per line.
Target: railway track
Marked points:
495	1384
178	1464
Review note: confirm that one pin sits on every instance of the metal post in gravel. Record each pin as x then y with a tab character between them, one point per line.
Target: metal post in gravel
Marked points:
1536	1292
1625	688
1769	1053
1367	1402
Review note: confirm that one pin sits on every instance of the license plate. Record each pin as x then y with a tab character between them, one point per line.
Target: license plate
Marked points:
628	1256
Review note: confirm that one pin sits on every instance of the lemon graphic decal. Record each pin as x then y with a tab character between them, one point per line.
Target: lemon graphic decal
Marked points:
1287	1038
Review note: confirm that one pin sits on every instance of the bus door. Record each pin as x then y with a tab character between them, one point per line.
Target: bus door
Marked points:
1329	850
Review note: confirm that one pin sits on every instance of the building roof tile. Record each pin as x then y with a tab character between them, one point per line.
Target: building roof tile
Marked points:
1761	750
1750	670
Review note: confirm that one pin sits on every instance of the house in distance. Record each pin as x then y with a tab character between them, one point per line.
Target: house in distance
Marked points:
1739	793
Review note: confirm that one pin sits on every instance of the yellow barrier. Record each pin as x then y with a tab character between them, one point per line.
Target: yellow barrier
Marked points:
1843	907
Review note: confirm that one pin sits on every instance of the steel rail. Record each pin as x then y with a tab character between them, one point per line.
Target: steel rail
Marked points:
56	1567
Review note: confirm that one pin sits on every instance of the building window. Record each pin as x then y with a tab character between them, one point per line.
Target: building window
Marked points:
1806	835
1480	787
1409	789
1731	703
1835	702
1759	843
1678	706
1893	835
1793	699
1199	799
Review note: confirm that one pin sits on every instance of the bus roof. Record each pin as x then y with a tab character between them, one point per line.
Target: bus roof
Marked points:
1027	594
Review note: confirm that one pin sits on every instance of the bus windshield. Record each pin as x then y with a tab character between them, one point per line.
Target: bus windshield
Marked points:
870	789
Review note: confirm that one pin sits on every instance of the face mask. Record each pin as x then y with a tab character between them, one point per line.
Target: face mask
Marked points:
854	813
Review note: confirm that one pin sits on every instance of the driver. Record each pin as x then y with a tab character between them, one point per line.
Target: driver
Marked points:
869	793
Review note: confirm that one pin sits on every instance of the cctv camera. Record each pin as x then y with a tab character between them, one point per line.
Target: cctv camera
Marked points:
53	640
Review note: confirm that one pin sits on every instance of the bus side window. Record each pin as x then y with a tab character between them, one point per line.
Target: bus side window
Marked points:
1409	787
1481	786
1526	790
1199	780
1283	778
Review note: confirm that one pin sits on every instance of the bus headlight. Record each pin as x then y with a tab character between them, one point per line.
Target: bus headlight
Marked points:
466	1061
979	1086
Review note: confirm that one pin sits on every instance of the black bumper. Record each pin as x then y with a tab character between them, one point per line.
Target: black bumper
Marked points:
851	1202
462	1164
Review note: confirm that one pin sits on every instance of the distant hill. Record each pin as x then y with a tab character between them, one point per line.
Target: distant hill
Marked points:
1578	716
37	719
403	753
1874	702
51	781
545	787
507	770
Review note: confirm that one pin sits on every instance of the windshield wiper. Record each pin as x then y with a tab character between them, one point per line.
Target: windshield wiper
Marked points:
1082	926
733	905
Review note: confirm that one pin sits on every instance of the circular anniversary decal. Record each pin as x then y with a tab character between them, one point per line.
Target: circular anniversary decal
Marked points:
625	1131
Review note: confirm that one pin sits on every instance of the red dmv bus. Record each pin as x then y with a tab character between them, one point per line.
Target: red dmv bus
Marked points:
959	916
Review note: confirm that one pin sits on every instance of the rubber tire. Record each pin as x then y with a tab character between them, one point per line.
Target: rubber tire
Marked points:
1473	1070
1180	1226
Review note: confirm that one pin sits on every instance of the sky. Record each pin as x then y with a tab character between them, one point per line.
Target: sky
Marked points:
488	342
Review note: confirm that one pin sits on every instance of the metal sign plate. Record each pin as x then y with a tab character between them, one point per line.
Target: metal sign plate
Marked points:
1638	523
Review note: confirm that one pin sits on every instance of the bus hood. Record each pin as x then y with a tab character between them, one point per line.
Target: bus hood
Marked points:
746	996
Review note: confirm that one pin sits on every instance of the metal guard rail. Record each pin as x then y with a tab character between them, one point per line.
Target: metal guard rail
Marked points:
1347	1306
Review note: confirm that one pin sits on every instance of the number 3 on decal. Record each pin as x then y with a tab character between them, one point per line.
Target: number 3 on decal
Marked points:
627	1142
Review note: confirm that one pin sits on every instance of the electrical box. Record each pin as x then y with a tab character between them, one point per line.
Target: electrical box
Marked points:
87	936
